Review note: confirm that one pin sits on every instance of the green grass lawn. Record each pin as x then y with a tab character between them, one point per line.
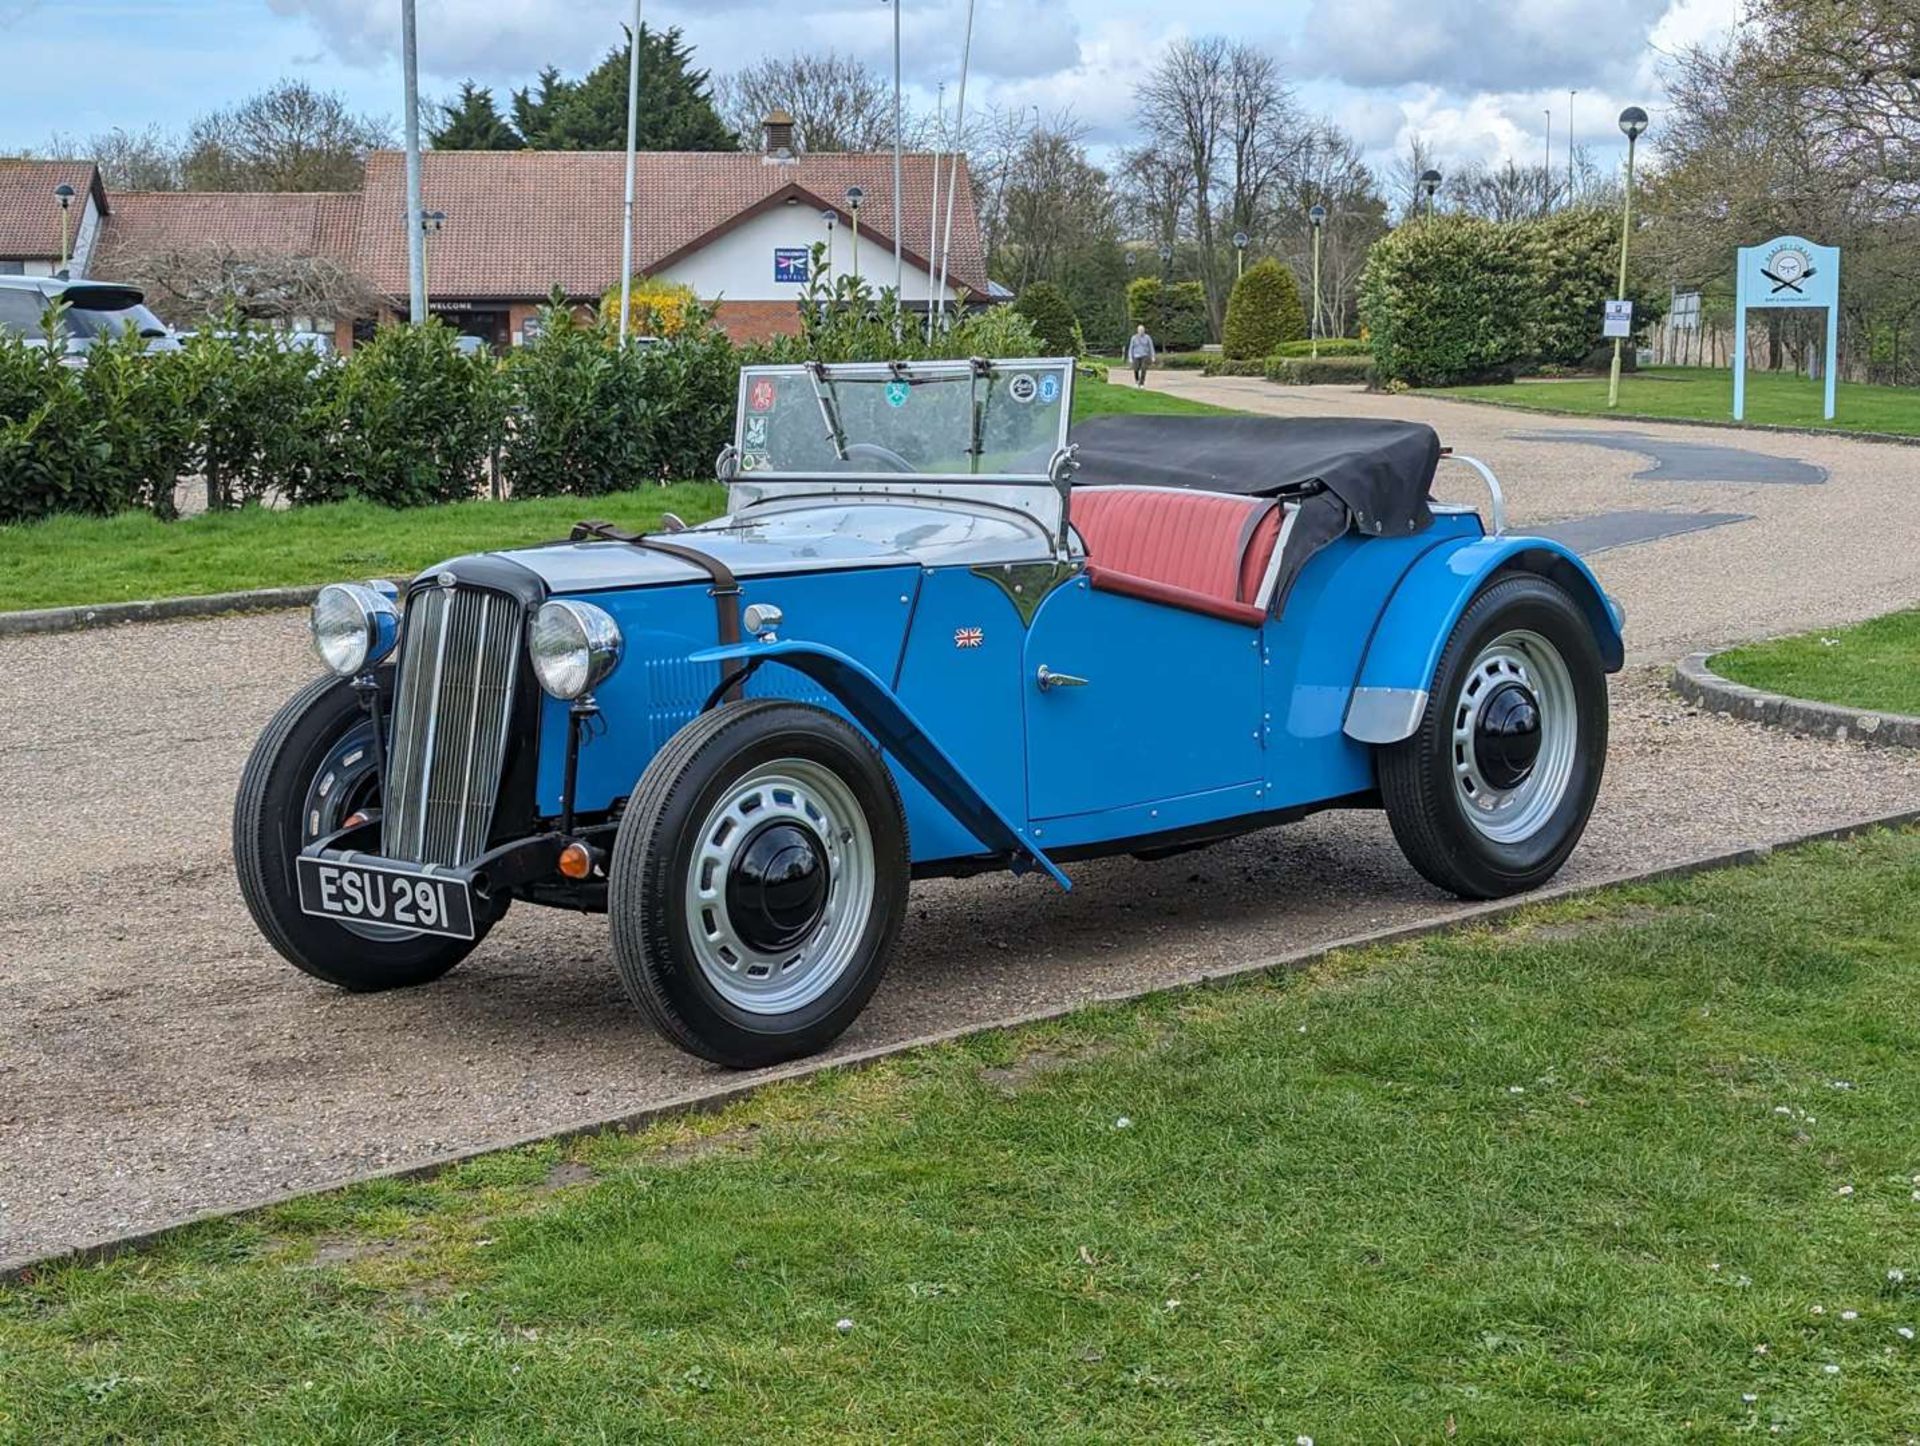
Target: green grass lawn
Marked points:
1692	393
1636	1168
80	560
1875	665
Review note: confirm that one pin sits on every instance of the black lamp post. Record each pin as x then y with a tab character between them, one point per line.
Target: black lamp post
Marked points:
431	224
1429	182
830	218
63	193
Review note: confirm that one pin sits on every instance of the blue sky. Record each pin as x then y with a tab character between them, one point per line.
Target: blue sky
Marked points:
1473	78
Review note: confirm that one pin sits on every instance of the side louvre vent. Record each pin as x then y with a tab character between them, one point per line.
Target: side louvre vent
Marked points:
459	660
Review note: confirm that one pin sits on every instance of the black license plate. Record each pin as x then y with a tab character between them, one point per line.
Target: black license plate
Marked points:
396	895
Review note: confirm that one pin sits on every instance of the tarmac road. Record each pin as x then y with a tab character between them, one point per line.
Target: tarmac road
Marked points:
158	1060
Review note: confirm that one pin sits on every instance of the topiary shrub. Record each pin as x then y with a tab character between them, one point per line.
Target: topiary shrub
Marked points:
1051	316
1326	346
1263	311
1305	371
1176	315
1448	299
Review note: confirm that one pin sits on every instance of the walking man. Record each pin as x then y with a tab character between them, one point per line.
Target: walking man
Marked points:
1140	353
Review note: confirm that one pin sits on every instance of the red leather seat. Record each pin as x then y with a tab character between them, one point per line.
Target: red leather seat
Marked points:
1198	550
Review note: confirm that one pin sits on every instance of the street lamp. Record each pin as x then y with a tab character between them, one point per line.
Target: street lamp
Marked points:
1240	239
1166	262
830	217
1633	121
855	195
63	193
1316	218
431	223
1429	182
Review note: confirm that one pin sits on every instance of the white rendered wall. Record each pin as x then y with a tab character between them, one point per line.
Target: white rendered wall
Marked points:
738	266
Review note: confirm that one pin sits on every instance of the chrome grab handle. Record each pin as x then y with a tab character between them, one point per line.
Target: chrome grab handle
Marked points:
1047	678
1493	487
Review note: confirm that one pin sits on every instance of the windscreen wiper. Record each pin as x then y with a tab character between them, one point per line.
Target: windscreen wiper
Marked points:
829	407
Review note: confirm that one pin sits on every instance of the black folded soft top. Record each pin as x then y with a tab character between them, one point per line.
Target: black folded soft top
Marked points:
1380	470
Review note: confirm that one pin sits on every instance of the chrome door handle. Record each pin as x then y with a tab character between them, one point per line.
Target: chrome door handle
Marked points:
1047	678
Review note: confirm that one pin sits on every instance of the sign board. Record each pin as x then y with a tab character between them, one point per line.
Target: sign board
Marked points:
1619	320
1684	314
532	327
1788	271
790	265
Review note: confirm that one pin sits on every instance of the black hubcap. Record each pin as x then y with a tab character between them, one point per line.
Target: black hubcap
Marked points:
777	888
1506	736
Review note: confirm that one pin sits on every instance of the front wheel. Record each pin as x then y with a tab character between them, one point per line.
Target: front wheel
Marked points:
312	770
1494	788
758	882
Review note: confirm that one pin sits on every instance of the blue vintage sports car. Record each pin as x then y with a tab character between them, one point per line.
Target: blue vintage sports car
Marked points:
935	633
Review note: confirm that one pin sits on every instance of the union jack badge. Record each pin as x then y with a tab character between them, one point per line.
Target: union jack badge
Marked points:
968	637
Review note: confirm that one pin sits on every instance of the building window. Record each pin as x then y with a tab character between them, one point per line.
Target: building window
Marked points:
19	268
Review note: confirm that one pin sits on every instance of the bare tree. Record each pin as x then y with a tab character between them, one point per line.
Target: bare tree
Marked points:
838	103
188	285
1053	205
290	137
1407	193
142	160
1508	192
1327	169
1184	106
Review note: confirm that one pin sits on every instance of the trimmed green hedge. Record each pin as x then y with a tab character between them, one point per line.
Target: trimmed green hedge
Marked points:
1315	371
1049	313
1175	316
1219	366
1326	346
1448	299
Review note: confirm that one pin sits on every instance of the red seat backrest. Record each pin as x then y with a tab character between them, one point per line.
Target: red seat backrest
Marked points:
1199	542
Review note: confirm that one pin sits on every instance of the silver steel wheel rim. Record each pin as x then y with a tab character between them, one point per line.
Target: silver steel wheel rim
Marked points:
800	791
1516	814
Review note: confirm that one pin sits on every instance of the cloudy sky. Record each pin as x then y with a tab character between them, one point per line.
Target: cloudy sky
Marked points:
1473	77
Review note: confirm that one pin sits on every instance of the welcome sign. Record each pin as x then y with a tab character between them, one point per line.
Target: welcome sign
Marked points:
1788	271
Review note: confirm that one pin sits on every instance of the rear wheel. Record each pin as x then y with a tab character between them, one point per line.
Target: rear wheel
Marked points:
758	882
310	771
1493	790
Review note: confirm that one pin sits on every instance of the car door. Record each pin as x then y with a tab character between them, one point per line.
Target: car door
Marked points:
1140	703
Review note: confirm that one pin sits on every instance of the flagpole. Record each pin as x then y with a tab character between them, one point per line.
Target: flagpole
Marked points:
898	273
633	134
933	207
416	237
953	162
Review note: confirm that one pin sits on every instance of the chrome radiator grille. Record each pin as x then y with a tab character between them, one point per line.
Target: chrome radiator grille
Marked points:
458	663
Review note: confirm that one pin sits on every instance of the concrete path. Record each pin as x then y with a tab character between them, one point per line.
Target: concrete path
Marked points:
158	1060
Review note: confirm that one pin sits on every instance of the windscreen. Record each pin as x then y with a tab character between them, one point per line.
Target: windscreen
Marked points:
943	419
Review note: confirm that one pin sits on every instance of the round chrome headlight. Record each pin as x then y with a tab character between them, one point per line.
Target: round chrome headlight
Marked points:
354	626
573	645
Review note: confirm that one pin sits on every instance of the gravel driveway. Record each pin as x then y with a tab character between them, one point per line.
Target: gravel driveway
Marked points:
159	1060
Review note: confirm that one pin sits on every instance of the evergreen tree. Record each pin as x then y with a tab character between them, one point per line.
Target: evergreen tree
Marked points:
473	123
1263	311
590	114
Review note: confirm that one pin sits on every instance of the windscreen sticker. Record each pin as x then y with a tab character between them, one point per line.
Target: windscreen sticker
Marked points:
761	395
899	393
757	432
1022	388
1049	389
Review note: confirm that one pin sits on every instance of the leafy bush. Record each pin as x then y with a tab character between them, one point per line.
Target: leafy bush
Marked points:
1575	259
1175	315
1326	346
418	418
1263	310
654	308
1186	361
1305	371
260	414
577	406
1051	317
1448	299
1220	366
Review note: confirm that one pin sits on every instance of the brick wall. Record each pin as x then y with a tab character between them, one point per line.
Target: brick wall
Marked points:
757	320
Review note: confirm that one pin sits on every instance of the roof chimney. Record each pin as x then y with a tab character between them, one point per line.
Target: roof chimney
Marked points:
777	133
